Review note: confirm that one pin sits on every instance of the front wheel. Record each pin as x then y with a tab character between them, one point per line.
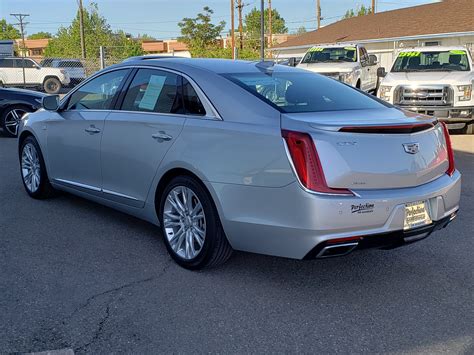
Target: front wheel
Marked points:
33	170
52	86
11	118
191	227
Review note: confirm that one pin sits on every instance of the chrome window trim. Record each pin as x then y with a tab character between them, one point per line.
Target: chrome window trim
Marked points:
208	106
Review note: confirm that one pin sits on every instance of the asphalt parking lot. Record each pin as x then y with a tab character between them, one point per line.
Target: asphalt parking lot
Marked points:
76	275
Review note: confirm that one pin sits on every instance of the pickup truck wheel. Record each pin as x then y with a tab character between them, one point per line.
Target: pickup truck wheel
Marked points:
52	86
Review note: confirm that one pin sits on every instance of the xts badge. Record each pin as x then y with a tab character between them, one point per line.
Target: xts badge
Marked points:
363	208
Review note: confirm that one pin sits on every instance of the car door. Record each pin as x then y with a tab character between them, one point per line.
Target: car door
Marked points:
75	132
137	137
365	69
8	72
32	74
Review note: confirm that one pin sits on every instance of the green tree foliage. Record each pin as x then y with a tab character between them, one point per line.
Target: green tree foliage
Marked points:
199	33
8	31
252	26
40	35
301	30
359	11
67	41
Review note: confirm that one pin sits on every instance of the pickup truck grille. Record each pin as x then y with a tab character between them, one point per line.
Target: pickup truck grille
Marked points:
424	96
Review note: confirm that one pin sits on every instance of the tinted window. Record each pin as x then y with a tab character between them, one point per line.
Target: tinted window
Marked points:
303	92
98	93
20	63
6	63
153	91
192	103
330	54
454	60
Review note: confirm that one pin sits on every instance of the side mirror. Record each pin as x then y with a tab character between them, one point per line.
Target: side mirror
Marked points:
292	62
50	102
381	72
373	59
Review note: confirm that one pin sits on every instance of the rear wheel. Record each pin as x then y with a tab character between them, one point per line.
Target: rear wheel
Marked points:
190	224
52	85
11	118
33	170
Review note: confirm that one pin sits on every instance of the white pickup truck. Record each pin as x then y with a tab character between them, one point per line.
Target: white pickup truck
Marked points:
436	81
48	79
349	63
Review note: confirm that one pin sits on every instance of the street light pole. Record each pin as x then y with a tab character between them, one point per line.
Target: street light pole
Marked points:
262	30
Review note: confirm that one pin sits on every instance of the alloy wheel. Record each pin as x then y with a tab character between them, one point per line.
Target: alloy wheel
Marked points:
184	222
30	167
12	120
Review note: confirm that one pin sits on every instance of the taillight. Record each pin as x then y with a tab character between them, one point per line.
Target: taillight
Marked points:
449	147
307	164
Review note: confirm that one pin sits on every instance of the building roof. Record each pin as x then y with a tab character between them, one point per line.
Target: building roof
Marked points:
448	16
34	43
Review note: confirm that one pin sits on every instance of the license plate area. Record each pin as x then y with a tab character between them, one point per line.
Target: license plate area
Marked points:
416	215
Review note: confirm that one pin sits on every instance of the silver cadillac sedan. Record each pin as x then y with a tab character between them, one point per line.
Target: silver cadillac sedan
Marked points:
233	155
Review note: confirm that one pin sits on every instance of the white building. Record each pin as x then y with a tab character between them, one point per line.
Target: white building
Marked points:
449	22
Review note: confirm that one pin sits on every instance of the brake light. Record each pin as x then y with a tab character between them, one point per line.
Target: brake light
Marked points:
307	164
449	147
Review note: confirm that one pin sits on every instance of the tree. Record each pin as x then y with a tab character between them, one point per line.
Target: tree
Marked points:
252	26
301	30
66	42
8	31
200	33
40	35
359	11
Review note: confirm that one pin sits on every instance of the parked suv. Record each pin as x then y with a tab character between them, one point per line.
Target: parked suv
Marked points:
436	81
48	79
350	64
73	67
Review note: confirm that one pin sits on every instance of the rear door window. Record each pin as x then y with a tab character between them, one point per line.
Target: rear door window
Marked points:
192	103
154	90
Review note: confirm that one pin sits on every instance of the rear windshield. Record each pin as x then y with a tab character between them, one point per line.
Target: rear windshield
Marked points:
70	64
453	60
296	92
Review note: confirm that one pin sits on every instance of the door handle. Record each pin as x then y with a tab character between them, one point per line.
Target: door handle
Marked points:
162	136
92	130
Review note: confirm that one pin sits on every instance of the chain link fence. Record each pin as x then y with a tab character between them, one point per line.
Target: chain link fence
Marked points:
53	75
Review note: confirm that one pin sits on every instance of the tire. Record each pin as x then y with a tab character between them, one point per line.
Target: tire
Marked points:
358	84
469	129
194	243
52	85
11	117
32	164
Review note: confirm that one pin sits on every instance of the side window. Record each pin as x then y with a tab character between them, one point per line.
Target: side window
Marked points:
192	103
153	91
6	63
28	64
98	93
364	57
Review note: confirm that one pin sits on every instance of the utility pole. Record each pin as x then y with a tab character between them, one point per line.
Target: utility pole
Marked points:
232	25
22	24
270	33
318	13
262	30
240	6
81	29
373	6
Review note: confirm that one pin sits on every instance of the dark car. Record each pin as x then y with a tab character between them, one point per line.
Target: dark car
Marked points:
14	103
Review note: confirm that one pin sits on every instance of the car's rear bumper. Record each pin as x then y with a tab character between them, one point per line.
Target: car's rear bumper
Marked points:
291	222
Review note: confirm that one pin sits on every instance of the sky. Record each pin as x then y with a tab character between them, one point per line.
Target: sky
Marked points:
159	18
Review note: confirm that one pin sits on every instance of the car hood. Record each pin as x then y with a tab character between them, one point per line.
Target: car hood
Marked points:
339	67
420	78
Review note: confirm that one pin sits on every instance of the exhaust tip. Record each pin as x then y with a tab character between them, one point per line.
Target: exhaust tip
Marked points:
330	251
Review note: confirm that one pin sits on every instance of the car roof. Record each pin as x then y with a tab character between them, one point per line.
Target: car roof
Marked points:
218	66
